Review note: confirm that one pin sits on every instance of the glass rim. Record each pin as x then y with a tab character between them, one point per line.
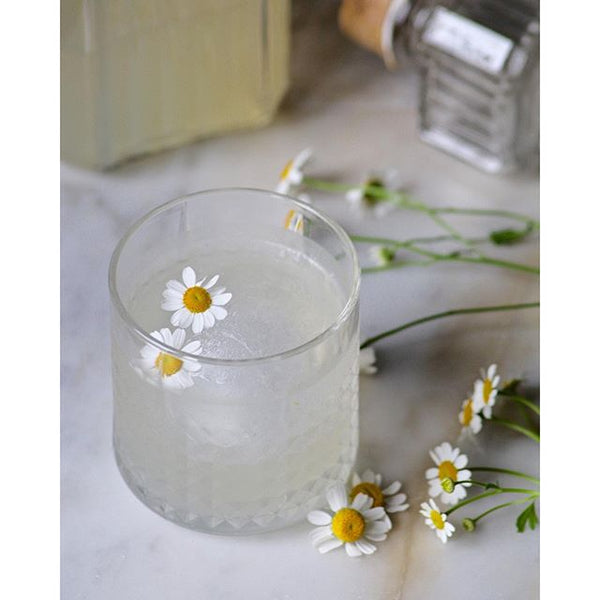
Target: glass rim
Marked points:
131	323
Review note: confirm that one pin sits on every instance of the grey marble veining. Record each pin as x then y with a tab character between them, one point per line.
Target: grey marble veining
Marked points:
355	116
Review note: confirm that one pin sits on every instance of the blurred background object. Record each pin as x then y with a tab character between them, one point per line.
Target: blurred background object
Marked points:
479	63
138	76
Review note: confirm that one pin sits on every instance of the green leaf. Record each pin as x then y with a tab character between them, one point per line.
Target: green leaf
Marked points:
506	237
527	516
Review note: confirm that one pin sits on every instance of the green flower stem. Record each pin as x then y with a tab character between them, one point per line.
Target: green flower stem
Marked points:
505	472
499	506
403	200
448	313
490	213
516	427
452	257
522	401
532	494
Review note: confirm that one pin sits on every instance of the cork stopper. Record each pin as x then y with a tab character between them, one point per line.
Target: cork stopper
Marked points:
371	24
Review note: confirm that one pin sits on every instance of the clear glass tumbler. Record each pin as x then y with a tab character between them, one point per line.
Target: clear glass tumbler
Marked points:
234	408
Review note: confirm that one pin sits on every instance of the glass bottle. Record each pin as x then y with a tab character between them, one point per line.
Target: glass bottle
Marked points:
138	76
479	95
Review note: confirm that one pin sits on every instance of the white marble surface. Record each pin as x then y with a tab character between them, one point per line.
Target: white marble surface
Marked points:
355	115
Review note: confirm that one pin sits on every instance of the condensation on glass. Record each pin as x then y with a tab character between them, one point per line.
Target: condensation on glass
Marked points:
138	76
479	96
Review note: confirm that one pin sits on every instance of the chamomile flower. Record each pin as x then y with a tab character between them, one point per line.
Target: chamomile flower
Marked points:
468	418
382	255
366	362
369	483
362	201
193	303
450	464
355	525
437	520
485	391
168	370
292	174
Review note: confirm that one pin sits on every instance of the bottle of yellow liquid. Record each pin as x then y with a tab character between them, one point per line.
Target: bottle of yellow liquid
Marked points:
138	76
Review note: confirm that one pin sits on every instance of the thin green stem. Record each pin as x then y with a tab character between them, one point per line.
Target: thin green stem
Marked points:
505	472
452	257
447	313
522	401
499	506
516	427
533	494
403	200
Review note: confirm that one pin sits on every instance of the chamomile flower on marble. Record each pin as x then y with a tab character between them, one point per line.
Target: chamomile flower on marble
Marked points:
485	391
354	525
370	483
168	370
450	464
292	174
195	302
366	361
382	255
437	520
468	418
361	201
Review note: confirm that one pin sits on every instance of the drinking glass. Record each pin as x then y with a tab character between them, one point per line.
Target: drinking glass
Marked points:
237	421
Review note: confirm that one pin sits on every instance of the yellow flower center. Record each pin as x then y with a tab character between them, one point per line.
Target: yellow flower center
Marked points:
447	469
347	525
167	365
467	413
196	299
286	170
487	390
370	489
437	520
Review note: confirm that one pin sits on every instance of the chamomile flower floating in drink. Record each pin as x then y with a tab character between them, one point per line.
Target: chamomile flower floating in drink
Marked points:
354	525
450	465
486	390
468	418
292	174
437	520
195	302
369	483
168	370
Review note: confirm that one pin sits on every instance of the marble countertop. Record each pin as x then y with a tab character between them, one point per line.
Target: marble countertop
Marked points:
356	116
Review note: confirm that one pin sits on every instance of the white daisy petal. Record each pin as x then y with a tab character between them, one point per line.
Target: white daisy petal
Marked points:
319	517
392	488
336	496
221	299
211	282
361	501
329	545
218	312
176	286
192	348
431	473
373	514
376	528
171	304
376	537
167	336
189	277
178	338
209	319
365	547
352	550
197	323
320	535
461	461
